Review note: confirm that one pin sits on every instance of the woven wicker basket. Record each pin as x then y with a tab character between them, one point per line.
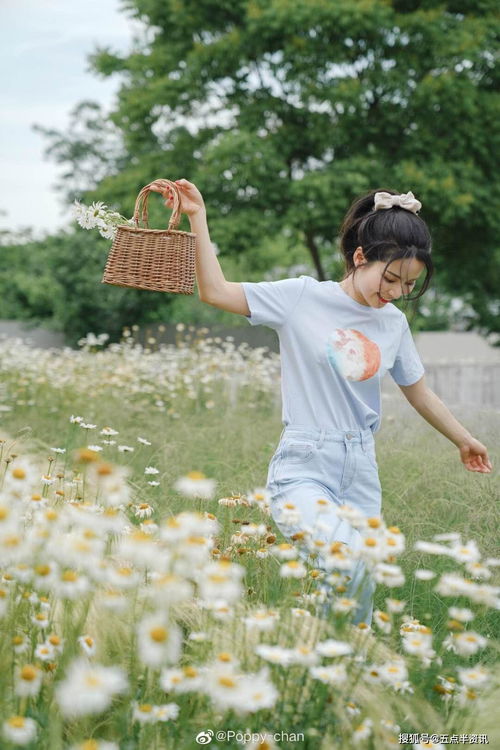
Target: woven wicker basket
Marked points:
159	260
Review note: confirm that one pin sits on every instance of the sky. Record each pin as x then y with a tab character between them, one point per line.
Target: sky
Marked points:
44	73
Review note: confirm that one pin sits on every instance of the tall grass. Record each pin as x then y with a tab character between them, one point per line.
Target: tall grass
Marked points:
215	410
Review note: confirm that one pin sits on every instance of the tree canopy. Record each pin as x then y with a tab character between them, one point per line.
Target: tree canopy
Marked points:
283	111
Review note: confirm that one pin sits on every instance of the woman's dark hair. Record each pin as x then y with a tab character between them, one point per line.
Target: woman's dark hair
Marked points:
385	235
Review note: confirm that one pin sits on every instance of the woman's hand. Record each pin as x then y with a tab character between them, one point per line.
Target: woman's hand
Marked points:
474	456
190	197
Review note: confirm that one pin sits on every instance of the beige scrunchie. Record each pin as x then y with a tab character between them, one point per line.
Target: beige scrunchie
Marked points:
405	200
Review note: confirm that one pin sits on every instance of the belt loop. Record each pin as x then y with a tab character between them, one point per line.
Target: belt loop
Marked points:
322	434
363	439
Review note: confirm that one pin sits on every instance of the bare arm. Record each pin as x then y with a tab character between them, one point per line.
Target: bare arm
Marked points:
473	454
212	285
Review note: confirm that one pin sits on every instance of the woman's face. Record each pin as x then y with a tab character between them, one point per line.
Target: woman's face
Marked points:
373	287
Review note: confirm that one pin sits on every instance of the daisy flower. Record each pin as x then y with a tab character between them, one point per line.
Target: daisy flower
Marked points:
382	620
465	552
19	730
88	688
334	674
159	641
45	652
87	644
462	614
262	620
393	672
166	711
108	431
94	744
293	569
473	677
362	731
195	484
424	575
332	647
182	679
143	713
28	680
274	654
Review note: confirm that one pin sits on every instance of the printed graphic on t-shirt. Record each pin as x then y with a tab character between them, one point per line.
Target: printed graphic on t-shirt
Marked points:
352	354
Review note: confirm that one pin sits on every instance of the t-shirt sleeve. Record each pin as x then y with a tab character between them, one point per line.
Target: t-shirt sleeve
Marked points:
272	302
407	367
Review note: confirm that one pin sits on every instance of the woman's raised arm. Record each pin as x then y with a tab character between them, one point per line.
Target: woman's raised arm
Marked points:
212	286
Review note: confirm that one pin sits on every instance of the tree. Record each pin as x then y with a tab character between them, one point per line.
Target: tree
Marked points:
284	110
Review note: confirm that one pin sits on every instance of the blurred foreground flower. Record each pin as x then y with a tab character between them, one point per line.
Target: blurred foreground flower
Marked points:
19	730
196	484
89	688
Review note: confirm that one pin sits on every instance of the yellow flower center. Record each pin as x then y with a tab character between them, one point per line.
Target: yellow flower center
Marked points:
70	576
92	680
16	722
226	682
370	542
28	673
159	634
196	475
18	473
104	470
87	456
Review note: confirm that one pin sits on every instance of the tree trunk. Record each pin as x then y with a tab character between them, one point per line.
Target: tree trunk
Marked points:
313	249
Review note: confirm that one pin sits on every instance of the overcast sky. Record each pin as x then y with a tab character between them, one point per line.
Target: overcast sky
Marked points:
44	73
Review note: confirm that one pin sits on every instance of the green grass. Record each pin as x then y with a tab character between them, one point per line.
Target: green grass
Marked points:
426	491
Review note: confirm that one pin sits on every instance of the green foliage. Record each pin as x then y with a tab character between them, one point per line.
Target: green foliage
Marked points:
283	111
58	281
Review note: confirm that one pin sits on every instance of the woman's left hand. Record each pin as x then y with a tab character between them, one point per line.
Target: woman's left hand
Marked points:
474	456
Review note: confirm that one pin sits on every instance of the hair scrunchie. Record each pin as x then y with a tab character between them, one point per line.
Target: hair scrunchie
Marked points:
405	200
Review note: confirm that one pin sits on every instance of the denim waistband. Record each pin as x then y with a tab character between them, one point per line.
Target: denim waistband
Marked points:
327	434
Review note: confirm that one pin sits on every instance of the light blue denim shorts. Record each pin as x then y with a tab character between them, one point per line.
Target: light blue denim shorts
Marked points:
334	465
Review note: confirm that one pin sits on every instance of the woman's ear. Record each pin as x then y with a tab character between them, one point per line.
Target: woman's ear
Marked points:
358	256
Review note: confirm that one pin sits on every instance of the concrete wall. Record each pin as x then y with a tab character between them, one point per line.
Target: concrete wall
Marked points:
38	337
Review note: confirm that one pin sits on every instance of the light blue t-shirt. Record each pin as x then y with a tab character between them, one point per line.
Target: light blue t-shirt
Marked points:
334	351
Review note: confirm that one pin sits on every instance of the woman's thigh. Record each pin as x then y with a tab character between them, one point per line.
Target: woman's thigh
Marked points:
314	478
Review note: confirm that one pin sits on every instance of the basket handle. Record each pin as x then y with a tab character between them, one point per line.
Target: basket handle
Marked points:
141	204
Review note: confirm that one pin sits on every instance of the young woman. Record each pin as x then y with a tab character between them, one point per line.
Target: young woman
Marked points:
336	342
